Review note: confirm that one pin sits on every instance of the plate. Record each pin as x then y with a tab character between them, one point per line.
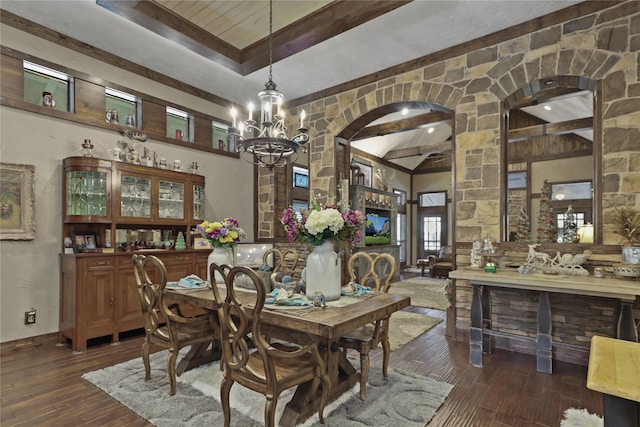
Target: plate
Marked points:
286	307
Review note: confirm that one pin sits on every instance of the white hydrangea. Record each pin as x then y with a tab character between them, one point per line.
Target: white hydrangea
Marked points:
318	221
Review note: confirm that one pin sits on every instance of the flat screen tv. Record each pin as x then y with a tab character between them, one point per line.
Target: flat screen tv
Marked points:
377	229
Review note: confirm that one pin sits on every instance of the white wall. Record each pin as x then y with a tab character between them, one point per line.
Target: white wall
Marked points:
29	270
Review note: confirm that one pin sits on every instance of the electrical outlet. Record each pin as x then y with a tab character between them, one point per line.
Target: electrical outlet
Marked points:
30	317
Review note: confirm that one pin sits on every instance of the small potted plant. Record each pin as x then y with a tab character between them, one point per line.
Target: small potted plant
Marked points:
626	223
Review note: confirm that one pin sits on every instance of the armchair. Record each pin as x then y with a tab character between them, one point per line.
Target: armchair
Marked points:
442	264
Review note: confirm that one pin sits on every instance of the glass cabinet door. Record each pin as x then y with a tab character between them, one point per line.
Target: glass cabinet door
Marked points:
135	197
171	203
198	202
87	193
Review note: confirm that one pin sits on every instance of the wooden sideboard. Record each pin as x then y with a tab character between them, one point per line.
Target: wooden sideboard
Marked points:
624	291
99	296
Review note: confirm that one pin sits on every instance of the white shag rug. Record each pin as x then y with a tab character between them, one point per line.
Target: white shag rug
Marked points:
574	417
403	399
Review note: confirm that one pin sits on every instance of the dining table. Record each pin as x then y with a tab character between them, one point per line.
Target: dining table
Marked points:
304	324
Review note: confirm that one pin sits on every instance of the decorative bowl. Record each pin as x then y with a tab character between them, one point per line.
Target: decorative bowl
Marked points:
626	271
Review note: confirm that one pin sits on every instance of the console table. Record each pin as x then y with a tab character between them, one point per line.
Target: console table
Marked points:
625	291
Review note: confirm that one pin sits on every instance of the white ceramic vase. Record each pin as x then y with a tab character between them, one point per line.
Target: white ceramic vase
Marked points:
323	272
220	256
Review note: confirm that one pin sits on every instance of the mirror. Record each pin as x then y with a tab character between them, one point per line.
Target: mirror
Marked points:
551	153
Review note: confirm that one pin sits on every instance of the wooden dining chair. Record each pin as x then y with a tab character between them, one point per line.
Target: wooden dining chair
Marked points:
268	369
165	326
285	261
368	337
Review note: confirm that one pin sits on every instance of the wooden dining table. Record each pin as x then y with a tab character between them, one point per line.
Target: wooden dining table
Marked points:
324	325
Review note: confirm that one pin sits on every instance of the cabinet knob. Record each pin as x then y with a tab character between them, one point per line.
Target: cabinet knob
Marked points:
110	299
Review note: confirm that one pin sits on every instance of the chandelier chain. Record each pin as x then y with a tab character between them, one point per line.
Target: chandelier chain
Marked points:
270	39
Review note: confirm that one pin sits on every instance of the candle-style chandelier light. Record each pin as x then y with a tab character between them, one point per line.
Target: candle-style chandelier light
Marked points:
265	142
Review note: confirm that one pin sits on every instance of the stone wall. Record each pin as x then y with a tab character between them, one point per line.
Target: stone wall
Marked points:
601	46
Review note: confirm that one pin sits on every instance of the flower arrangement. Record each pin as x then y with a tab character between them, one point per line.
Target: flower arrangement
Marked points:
222	234
626	223
319	224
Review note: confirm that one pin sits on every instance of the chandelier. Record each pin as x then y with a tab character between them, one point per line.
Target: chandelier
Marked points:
265	142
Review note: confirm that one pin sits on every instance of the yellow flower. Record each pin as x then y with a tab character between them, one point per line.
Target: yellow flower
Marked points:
213	226
226	239
233	235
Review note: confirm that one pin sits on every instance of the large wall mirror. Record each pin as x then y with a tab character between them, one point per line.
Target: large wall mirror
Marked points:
551	152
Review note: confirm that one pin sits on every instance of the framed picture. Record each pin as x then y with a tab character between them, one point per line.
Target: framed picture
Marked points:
68	245
201	243
367	170
79	243
90	240
17	204
300	180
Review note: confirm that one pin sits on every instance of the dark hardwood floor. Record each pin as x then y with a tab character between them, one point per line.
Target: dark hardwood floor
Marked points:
42	385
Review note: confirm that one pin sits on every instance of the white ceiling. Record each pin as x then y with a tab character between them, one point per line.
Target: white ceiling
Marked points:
411	31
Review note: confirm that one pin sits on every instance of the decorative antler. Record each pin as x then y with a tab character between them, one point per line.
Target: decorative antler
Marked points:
138	136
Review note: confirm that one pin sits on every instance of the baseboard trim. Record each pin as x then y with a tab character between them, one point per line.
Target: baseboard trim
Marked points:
37	341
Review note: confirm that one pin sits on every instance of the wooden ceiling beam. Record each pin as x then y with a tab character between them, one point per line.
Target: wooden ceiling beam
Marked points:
327	22
546	129
421	150
403	125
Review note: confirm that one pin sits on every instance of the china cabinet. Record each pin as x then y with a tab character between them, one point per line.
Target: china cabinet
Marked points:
124	207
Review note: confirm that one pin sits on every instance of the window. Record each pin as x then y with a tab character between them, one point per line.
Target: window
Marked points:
433	199
219	139
572	191
432	217
517	180
121	108
47	87
401	224
179	124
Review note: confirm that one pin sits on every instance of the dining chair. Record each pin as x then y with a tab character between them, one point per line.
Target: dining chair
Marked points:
165	326
268	368
368	337
285	261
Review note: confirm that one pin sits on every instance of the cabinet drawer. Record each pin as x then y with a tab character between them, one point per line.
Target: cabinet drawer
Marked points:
100	263
177	258
124	261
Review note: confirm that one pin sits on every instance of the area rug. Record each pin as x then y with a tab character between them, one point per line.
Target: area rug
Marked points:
424	292
402	399
574	417
405	326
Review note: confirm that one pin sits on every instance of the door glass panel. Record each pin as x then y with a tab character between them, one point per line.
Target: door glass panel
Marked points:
135	197
198	202
171	200
87	193
432	233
